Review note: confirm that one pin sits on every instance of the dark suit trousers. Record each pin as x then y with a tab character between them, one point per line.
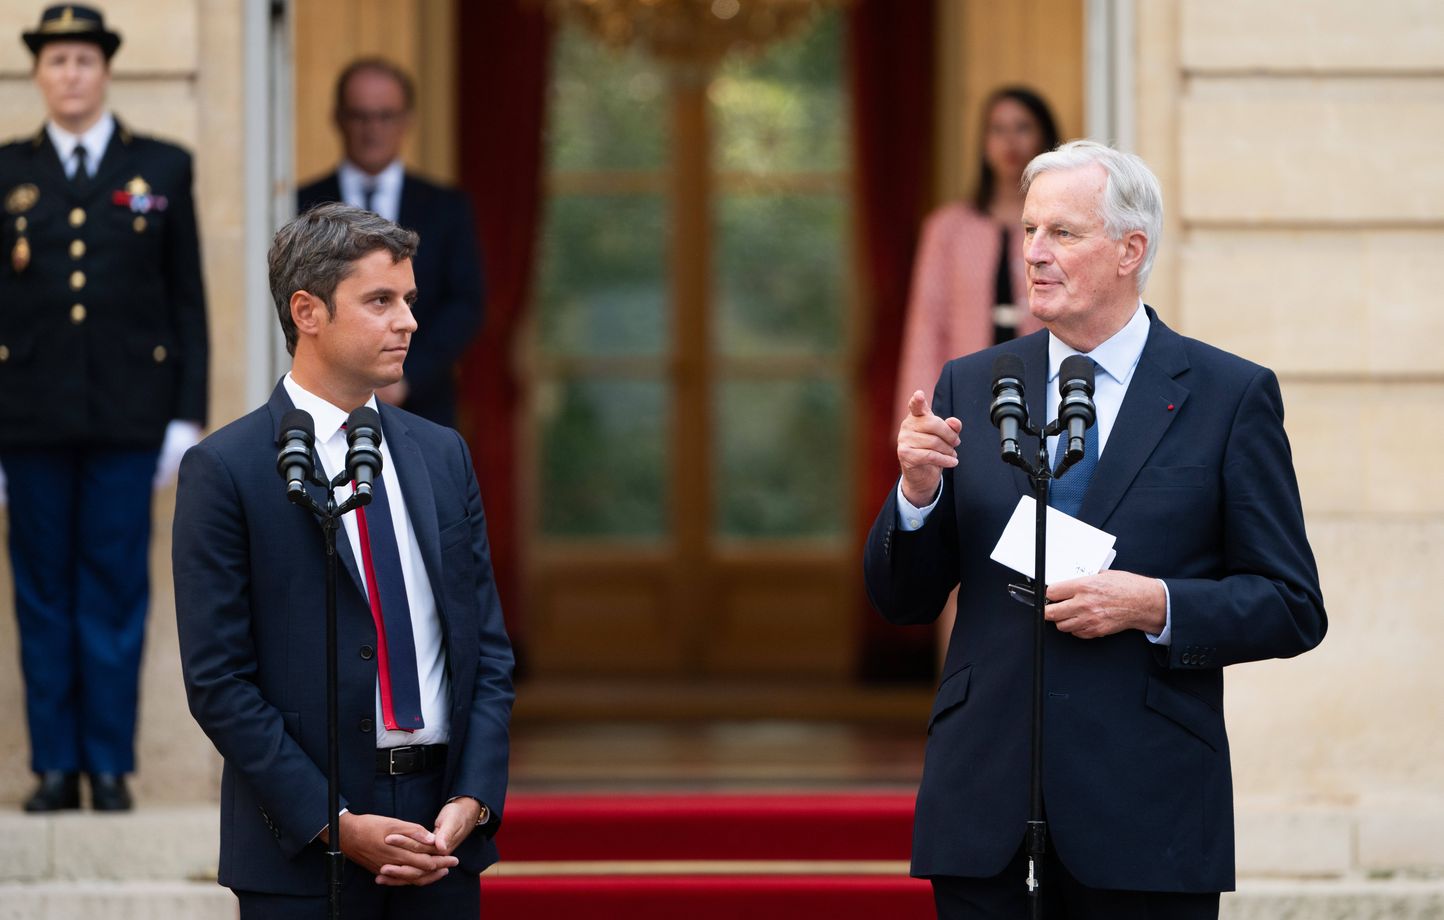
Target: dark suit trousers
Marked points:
1005	897
80	549
415	797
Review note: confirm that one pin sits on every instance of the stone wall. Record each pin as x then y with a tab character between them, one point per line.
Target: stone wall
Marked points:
1298	142
178	75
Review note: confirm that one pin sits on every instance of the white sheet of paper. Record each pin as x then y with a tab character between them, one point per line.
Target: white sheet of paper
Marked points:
1075	549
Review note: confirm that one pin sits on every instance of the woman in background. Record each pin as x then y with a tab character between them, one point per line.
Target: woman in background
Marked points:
969	289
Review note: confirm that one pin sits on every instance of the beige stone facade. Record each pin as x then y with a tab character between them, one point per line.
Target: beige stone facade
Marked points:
1298	145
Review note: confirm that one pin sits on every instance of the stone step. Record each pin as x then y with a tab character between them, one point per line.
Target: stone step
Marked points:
1255	900
1391	899
105	900
174	844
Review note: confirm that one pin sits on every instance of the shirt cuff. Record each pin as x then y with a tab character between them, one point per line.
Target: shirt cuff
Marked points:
911	516
1165	637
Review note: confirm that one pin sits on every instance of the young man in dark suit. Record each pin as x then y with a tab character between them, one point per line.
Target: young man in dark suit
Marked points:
102	388
375	107
1189	467
425	666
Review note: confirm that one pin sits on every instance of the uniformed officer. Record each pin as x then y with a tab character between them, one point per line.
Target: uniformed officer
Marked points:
102	388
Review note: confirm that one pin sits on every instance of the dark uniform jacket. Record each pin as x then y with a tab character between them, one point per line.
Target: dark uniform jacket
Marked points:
1198	484
102	309
448	267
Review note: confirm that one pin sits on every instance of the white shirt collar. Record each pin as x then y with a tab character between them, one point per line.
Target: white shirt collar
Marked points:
96	139
327	418
1117	357
353	179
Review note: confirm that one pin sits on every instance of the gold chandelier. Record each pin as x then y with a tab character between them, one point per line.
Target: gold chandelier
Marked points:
691	31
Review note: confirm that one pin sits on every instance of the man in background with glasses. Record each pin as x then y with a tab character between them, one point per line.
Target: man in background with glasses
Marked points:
375	108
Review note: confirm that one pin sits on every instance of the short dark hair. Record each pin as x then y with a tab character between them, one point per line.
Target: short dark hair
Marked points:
375	65
318	250
1047	127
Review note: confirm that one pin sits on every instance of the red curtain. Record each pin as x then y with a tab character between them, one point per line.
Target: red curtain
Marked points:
891	47
501	112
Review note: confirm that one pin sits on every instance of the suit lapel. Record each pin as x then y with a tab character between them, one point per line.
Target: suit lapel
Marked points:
280	403
415	479
1152	402
48	158
407	206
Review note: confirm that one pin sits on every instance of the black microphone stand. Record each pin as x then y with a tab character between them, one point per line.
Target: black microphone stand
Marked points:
330	519
1040	477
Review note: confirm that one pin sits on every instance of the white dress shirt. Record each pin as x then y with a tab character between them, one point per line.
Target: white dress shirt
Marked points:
425	621
95	141
1117	358
385	200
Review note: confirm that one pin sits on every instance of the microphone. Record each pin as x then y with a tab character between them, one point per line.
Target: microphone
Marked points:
363	452
1075	405
295	462
1008	410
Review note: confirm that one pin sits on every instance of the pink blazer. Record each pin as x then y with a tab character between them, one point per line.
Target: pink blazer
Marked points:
950	307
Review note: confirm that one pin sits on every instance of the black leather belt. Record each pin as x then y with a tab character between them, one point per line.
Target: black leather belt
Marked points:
413	758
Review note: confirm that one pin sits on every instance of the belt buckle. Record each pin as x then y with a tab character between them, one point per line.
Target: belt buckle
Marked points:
392	768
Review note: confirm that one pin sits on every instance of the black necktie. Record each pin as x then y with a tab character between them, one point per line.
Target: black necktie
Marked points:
368	196
81	176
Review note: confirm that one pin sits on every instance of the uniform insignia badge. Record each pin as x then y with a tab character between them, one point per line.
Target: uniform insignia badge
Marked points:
137	196
22	198
20	255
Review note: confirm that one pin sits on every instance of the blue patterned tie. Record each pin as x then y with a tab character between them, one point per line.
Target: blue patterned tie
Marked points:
1067	493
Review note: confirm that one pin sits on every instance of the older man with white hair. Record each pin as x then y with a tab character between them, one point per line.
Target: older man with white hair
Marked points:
1188	466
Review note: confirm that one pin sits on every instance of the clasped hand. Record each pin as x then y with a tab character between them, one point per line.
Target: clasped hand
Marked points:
403	852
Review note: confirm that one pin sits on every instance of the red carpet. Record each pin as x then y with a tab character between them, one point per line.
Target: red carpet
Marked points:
710	898
700	857
611	827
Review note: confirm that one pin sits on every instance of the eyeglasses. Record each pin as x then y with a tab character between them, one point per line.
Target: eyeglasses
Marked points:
385	117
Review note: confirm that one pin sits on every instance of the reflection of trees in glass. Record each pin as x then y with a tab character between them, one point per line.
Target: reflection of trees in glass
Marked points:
780	274
601	283
780	238
782	464
603	458
785	111
608	108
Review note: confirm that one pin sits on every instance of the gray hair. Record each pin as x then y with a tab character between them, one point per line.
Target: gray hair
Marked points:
318	250
1132	198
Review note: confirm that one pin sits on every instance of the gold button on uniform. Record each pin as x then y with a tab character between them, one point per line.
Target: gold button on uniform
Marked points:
77	280
159	354
77	314
138	224
4	353
21	223
77	249
77	217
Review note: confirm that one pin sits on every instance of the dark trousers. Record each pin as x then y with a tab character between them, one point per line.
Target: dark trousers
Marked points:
415	797
79	548
1005	897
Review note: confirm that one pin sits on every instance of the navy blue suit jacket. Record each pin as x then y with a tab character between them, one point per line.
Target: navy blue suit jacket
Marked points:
250	604
1197	483
449	281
